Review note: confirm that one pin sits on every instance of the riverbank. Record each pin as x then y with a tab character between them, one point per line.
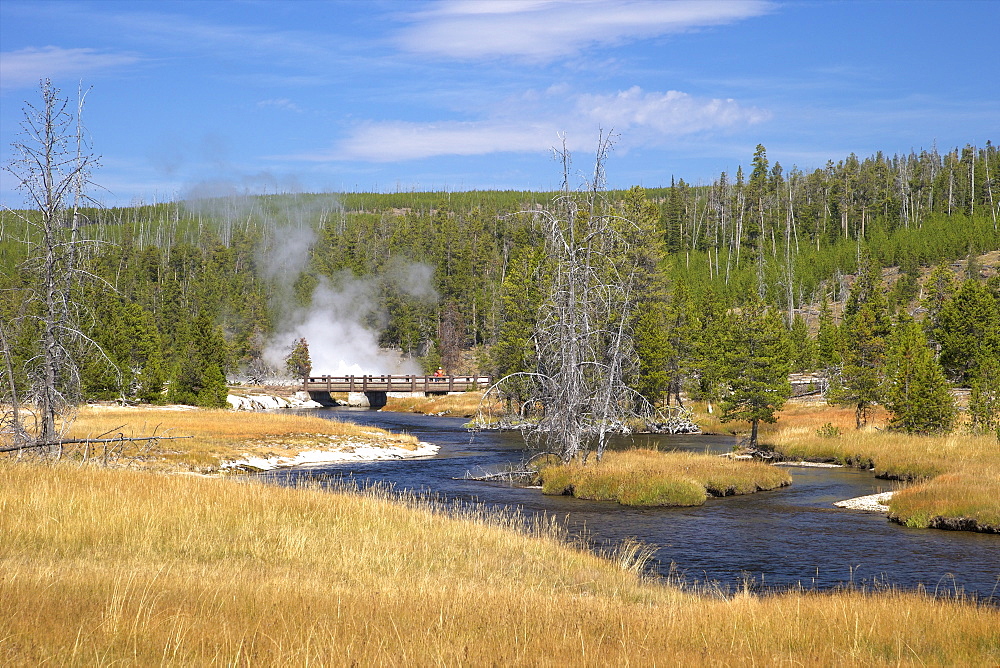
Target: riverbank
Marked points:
120	566
214	441
946	482
341	452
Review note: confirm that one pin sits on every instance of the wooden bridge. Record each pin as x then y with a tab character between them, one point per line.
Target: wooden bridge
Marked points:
376	388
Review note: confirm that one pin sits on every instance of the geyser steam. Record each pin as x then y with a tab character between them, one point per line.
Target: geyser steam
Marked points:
342	320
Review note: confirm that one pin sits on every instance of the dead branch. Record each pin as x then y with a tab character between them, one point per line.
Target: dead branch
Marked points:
79	441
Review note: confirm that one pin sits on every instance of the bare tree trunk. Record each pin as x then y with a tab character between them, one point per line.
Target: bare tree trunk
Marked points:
52	166
582	337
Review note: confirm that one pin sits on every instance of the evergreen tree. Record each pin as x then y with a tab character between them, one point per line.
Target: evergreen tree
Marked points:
681	327
865	336
969	331
654	352
984	401
214	389
521	295
916	393
827	338
756	368
940	287
710	340
907	287
199	375
803	348
297	362
144	355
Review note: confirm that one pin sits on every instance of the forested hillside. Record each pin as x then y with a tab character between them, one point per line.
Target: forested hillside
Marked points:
181	295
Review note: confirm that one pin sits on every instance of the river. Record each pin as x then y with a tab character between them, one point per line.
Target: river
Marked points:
770	540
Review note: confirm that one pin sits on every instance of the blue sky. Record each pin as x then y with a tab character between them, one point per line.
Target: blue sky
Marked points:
259	96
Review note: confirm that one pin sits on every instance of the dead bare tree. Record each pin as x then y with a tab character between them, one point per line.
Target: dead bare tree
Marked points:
583	342
52	167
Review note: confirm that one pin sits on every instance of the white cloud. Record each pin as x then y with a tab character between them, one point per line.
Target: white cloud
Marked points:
666	114
548	29
534	121
25	67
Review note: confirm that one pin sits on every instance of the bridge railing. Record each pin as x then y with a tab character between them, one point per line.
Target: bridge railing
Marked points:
395	383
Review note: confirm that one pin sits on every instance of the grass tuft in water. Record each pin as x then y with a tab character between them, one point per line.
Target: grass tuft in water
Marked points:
652	478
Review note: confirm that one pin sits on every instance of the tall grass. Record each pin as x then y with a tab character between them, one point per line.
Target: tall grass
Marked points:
465	404
971	498
957	475
220	435
101	567
651	478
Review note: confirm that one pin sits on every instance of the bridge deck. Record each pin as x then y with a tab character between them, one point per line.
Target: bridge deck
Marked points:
395	383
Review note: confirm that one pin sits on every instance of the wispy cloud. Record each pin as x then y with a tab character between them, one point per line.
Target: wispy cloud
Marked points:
397	140
282	103
24	67
548	29
243	41
534	121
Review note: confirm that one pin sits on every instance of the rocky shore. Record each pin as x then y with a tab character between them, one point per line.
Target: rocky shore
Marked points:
263	402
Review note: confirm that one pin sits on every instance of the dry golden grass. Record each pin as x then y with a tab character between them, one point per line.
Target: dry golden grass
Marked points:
221	435
958	474
964	495
465	404
101	567
651	478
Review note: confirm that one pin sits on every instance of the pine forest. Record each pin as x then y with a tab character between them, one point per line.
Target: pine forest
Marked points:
877	274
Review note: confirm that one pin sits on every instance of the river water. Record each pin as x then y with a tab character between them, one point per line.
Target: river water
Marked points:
770	540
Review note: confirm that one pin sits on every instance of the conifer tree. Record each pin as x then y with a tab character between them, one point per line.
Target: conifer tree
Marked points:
682	326
642	262
917	392
968	331
827	338
756	368
803	348
939	288
199	374
654	352
865	336
214	389
521	295
984	400
710	340
129	363
297	362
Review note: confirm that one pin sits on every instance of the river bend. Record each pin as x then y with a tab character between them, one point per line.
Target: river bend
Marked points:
770	540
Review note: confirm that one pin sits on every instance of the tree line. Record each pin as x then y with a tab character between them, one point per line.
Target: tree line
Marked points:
722	289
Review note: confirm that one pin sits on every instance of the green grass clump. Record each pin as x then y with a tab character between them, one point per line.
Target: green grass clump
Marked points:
651	478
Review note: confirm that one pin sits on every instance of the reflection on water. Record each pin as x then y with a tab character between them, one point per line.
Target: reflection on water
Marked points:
784	538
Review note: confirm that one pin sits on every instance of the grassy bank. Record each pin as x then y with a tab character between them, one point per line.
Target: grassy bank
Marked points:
651	478
117	566
464	404
955	478
961	500
219	436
